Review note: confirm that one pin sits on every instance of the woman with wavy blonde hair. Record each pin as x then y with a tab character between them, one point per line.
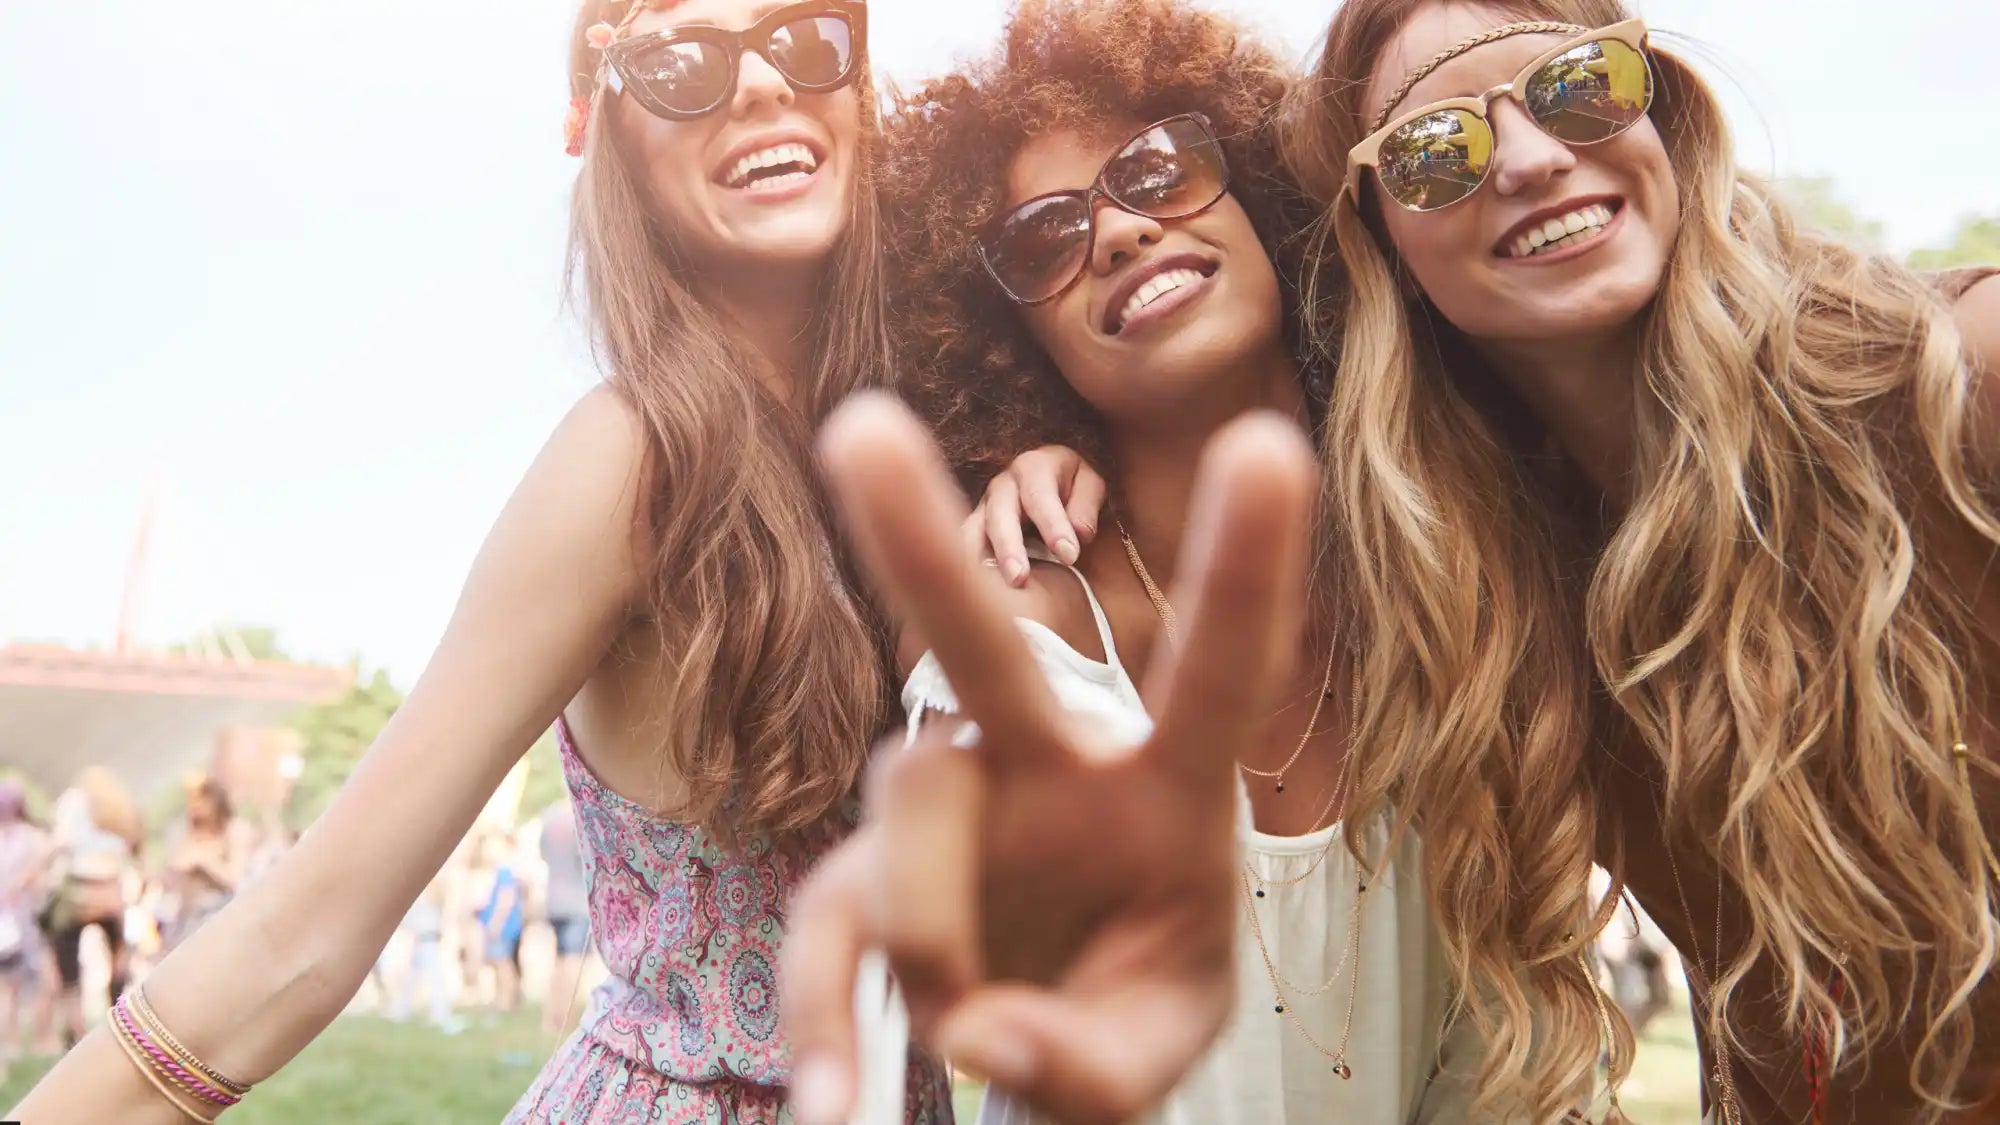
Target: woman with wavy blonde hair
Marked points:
663	589
1587	365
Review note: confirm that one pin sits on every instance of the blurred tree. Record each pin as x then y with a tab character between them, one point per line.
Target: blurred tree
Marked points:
336	735
1817	199
544	784
1976	242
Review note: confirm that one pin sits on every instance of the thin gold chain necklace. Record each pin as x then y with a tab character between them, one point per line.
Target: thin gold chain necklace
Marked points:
1170	624
1350	958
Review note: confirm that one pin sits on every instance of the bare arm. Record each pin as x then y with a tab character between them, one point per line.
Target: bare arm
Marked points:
543	603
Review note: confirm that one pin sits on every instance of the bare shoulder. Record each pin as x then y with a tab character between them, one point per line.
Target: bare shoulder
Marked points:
589	479
1054	596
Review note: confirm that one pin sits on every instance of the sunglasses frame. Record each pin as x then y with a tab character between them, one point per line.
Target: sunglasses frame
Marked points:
621	54
1368	152
1090	196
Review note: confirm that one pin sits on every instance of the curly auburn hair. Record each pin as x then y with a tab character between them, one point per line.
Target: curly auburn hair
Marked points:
967	362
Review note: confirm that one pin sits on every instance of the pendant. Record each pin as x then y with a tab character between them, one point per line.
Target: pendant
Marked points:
1260	892
1280	1009
1281	785
1341	1068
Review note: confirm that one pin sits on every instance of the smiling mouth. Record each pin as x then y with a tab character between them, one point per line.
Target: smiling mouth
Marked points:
1561	233
1157	288
773	168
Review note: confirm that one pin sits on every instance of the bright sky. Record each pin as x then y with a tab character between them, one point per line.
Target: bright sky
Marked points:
301	262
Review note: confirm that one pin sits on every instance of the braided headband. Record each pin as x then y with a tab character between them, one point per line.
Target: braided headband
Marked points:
1504	31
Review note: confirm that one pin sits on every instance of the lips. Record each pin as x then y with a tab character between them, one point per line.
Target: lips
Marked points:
1572	222
771	160
1153	282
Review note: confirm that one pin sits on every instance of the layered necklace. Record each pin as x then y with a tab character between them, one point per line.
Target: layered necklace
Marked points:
1255	886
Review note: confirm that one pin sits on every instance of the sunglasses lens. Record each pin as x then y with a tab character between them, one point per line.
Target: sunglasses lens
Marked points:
686	77
1173	169
816	51
1035	249
1436	160
1591	93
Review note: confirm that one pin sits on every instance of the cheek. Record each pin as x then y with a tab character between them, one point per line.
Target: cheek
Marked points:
1439	249
1060	329
670	164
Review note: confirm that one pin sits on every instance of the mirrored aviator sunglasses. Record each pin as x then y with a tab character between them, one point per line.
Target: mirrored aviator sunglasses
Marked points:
1583	92
681	73
1172	169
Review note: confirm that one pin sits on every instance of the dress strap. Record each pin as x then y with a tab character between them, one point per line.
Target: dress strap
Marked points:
1096	609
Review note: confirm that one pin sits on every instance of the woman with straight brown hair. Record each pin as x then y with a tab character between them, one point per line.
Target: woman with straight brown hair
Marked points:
663	587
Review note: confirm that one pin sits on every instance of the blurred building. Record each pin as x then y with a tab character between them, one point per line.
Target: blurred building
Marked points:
152	717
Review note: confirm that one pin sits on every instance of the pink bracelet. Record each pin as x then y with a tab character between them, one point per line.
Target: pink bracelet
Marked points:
166	1063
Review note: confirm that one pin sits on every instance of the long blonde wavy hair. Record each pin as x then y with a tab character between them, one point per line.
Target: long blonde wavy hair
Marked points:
1765	618
774	681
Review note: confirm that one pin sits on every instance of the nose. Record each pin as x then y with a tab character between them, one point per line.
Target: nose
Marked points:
1524	157
759	85
1121	236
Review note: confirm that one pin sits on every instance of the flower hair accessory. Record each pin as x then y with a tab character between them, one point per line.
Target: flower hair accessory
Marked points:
598	36
576	126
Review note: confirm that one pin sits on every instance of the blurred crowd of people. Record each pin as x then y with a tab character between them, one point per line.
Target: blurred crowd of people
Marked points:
87	897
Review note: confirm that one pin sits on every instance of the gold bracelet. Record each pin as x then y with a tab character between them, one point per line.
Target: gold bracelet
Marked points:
150	1020
146	1070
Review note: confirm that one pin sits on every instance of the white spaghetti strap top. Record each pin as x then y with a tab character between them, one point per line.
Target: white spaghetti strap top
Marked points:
1406	1070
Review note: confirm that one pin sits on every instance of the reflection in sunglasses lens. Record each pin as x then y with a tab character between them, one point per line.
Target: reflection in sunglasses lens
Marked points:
1590	93
1436	160
813	52
1039	247
1168	171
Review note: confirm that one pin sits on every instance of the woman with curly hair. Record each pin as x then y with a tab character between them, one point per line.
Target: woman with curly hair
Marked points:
1095	245
1613	428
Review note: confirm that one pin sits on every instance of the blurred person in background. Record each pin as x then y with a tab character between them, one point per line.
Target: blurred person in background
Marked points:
423	927
567	905
207	856
97	834
501	920
24	856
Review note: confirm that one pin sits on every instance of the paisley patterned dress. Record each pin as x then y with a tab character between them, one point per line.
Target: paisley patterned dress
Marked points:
685	1030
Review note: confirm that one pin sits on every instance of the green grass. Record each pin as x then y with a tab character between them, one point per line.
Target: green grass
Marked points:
372	1072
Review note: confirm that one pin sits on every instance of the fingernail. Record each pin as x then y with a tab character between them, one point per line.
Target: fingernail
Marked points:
1016	572
990	561
819	1091
1066	551
1087	530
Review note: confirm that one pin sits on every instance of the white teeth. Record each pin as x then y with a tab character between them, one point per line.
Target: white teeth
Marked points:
1585	221
1155	288
789	153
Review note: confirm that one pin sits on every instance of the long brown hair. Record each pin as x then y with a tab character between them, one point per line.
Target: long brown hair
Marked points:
772	683
1765	619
